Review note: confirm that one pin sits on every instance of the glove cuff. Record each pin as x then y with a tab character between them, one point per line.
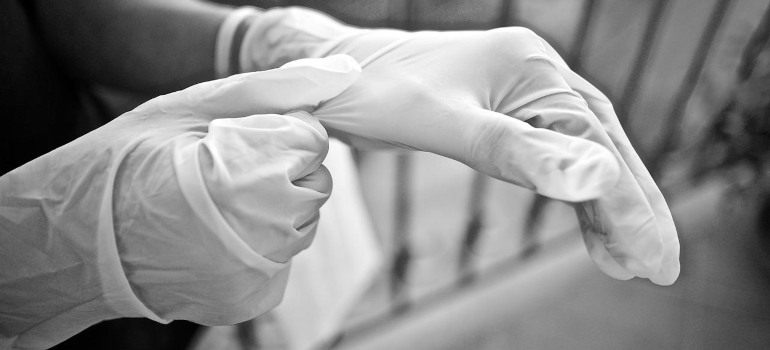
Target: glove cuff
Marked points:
230	38
282	35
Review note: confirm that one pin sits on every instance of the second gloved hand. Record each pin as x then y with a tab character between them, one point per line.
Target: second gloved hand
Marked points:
501	101
188	207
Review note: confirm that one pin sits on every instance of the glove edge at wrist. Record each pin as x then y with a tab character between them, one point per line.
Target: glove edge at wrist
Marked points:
229	40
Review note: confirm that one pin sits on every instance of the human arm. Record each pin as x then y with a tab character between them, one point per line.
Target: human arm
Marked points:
141	45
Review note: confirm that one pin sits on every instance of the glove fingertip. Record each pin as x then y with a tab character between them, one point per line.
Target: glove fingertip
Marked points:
319	181
666	276
602	258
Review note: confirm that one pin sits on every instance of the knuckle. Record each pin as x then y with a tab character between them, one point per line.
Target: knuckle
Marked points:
308	135
320	181
513	36
409	86
516	45
520	33
488	141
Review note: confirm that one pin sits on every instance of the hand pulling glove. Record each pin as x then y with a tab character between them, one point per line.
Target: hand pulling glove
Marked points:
501	101
188	207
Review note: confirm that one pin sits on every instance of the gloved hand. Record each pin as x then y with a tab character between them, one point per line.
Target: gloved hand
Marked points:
188	207
501	101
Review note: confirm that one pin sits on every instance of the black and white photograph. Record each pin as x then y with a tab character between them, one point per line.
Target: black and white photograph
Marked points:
385	174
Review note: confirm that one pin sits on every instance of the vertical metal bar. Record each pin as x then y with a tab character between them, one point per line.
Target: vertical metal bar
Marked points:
759	39
473	227
581	34
401	258
639	67
246	334
675	117
529	238
403	212
716	134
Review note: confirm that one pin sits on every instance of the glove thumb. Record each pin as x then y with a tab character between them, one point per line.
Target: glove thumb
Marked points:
298	85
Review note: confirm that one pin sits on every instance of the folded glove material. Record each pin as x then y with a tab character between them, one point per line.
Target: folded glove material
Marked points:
189	207
503	102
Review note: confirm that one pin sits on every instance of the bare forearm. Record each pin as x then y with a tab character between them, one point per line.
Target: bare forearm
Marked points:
141	45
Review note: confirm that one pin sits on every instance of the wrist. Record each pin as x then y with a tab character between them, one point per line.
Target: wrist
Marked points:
281	35
230	39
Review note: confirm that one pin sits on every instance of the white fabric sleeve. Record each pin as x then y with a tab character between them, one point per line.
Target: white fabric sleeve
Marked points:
61	267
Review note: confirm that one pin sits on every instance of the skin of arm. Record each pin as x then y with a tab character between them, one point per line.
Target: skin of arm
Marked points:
146	46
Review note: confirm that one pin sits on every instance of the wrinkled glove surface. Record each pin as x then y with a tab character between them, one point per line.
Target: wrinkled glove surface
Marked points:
501	101
188	207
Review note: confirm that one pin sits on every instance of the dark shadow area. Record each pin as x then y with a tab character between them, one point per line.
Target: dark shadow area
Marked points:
133	334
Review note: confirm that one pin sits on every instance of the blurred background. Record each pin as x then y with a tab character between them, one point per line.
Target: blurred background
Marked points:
474	263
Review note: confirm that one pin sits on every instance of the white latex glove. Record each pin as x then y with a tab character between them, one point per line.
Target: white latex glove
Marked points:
188	207
501	101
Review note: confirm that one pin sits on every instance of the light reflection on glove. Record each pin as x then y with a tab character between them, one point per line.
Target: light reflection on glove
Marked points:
188	207
501	101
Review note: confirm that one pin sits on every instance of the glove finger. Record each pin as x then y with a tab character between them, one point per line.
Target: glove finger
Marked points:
553	164
298	85
319	181
313	191
286	142
629	224
623	214
669	269
595	245
557	165
602	107
249	166
306	222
